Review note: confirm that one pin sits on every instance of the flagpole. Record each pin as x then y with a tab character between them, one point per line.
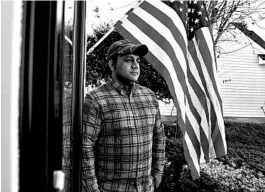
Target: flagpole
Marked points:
99	41
112	28
68	40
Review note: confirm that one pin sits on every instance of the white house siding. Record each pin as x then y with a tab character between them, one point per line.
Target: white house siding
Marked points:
242	80
167	109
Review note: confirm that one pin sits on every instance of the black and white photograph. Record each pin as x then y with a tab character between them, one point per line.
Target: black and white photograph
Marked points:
133	96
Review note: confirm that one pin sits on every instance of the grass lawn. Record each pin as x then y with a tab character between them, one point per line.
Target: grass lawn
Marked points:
243	169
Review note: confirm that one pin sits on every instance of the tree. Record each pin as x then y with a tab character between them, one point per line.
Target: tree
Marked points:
223	15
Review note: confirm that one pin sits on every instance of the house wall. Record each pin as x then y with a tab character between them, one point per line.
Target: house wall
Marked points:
242	80
167	109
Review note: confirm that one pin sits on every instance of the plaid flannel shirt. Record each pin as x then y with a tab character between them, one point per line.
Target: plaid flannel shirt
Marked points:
123	139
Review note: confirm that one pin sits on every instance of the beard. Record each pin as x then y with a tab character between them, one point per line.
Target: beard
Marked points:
126	81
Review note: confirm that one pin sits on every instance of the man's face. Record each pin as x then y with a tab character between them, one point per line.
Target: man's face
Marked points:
127	68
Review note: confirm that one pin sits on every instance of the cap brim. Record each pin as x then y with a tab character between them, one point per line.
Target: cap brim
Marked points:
140	50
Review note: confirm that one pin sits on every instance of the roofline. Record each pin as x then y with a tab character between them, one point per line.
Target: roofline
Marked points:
251	34
262	56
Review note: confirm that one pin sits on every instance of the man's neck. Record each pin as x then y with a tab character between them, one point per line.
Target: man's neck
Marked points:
126	84
123	81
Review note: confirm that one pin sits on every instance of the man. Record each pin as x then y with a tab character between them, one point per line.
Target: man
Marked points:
123	138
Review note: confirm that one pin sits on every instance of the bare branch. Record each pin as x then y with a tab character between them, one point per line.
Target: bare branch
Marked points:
224	13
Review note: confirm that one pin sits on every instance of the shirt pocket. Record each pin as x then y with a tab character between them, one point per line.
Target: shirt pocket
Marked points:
110	121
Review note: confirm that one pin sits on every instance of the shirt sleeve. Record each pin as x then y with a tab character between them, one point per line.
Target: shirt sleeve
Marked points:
91	129
158	156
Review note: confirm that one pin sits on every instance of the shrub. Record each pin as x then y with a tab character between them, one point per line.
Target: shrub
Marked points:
246	143
174	161
243	169
215	176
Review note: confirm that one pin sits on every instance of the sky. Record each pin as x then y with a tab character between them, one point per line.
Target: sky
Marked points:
110	11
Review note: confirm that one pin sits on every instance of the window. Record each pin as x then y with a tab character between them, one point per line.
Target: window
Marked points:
261	58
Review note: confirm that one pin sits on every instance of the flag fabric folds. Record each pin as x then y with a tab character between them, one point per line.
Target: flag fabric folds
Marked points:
181	49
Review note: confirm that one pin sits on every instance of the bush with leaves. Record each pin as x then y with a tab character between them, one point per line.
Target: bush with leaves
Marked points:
174	161
216	176
241	170
246	143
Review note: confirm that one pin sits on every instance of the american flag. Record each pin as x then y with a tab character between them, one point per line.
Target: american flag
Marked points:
181	49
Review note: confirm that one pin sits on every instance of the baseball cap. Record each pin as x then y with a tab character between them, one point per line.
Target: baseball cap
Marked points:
124	47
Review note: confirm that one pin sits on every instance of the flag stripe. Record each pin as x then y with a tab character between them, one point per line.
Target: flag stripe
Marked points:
198	90
194	116
193	74
189	153
170	47
218	134
195	81
161	23
195	55
165	17
198	108
217	119
205	44
193	131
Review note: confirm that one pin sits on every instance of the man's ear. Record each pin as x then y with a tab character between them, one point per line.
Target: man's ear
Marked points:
111	65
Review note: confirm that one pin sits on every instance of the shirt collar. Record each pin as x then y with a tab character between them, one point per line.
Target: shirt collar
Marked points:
120	87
